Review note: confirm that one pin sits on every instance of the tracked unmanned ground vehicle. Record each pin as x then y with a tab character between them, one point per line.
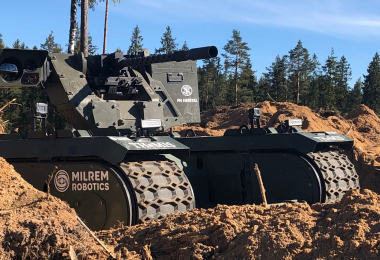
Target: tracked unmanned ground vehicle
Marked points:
119	161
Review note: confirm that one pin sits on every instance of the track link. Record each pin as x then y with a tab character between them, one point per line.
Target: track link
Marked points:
160	188
338	172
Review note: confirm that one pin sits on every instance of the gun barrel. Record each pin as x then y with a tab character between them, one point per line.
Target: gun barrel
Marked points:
192	54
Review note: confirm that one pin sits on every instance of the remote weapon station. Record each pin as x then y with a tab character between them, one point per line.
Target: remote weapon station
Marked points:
119	159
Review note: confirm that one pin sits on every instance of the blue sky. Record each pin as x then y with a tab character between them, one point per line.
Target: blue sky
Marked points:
270	27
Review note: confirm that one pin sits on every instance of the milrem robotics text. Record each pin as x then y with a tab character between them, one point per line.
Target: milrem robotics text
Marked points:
90	180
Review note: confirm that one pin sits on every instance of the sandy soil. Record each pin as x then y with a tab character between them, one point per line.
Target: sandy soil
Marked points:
361	124
346	230
35	226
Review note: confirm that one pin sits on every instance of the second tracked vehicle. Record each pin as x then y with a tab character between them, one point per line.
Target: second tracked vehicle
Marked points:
119	159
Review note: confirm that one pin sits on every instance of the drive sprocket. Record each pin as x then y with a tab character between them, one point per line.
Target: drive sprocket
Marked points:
160	188
338	173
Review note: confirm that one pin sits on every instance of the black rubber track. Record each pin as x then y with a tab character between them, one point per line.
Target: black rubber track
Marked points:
338	172
160	188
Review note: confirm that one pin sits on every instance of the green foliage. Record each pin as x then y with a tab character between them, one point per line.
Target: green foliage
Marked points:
50	45
300	68
168	44
312	96
297	77
92	3
247	83
262	90
136	41
91	47
277	78
371	88
185	47
18	45
355	95
236	58
343	76
329	82
212	87
2	45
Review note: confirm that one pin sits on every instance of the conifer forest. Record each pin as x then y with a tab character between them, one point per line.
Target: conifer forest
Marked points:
298	76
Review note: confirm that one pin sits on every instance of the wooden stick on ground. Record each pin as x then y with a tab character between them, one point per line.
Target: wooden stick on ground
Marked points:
93	235
72	253
49	180
349	130
262	189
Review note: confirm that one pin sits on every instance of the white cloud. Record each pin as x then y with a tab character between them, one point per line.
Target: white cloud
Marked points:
332	17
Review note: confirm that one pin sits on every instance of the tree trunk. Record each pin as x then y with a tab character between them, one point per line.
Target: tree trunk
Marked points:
206	100
236	79
73	16
105	29
298	87
84	28
213	92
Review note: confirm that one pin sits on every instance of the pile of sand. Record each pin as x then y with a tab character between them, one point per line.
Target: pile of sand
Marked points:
346	230
349	229
361	124
33	226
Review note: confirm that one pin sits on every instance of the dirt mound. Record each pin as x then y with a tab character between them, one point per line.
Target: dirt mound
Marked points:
216	121
362	125
349	229
34	226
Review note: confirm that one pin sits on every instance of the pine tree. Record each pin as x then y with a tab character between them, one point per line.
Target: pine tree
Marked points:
136	41
91	3
247	82
212	87
300	68
91	48
355	95
50	45
16	44
277	78
2	45
84	28
106	24
311	97
329	82
168	44
371	88
185	47
204	87
23	46
73	26
262	90
343	77
235	58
